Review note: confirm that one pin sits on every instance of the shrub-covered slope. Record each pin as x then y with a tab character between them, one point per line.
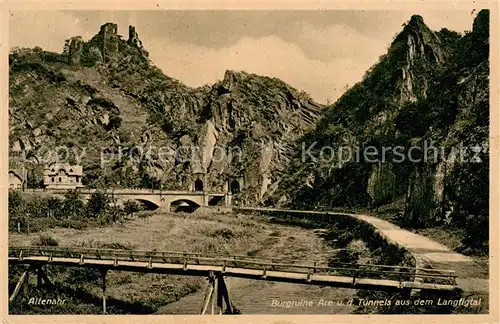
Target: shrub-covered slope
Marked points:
425	104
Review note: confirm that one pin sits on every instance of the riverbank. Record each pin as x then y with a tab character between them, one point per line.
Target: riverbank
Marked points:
332	237
221	234
472	277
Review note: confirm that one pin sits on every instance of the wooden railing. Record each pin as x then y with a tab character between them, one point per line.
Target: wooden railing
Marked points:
397	273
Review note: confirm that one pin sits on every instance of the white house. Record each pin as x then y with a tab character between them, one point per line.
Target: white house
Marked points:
63	176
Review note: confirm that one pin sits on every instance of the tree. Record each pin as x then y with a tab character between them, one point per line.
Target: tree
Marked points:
73	205
97	205
468	190
34	177
55	207
17	207
130	207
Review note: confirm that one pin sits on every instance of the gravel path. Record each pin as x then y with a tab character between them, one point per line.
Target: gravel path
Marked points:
471	276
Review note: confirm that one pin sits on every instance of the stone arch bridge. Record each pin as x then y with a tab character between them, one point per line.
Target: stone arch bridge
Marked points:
151	198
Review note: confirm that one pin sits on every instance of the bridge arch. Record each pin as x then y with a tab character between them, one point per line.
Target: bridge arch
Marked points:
150	204
185	205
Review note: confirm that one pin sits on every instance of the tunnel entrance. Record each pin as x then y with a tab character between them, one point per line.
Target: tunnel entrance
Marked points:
198	185
216	201
235	187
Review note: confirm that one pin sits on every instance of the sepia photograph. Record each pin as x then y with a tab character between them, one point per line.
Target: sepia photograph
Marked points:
253	162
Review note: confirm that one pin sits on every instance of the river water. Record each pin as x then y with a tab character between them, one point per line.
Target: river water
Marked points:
266	297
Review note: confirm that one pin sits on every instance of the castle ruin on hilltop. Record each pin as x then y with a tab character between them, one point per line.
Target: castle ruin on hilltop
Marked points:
103	47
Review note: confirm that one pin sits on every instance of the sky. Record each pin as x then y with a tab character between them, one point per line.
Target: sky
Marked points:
322	52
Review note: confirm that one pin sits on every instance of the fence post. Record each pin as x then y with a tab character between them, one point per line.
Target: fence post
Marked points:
39	276
209	292
103	276
26	283
354	277
18	286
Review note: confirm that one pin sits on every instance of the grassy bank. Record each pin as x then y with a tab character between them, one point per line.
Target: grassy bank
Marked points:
293	239
134	293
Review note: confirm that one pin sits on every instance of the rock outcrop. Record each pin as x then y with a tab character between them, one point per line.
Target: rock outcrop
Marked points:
136	126
429	96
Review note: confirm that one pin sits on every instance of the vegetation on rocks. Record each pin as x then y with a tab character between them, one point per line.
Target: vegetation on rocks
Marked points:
430	89
105	93
104	98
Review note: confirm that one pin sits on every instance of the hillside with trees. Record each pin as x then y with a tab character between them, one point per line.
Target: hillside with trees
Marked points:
430	89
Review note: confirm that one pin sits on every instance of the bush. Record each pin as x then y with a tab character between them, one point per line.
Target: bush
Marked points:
130	207
225	233
107	245
346	256
118	246
83	276
115	213
339	236
42	224
78	224
114	122
45	240
145	214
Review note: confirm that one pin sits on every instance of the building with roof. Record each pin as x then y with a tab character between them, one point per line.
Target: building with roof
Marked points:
63	176
15	180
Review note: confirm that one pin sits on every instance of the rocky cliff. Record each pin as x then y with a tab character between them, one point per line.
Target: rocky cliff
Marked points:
423	109
104	104
413	131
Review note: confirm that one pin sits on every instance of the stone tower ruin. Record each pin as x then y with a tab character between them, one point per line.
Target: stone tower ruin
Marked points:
75	48
109	40
133	40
